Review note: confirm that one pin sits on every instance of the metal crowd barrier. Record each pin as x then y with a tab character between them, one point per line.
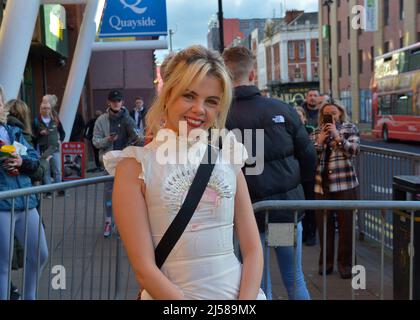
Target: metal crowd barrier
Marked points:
98	268
376	167
81	263
264	207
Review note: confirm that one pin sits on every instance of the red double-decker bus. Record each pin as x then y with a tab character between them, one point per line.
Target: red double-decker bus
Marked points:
396	95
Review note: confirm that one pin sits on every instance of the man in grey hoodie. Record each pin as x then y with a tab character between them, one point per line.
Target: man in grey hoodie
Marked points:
114	130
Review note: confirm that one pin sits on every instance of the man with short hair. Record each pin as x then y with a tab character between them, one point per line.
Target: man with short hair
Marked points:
311	107
288	156
113	130
139	115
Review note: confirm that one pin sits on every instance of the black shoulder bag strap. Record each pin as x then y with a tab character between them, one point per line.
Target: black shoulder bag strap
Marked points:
194	195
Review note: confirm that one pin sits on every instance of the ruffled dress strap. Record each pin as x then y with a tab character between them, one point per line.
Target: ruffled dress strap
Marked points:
140	154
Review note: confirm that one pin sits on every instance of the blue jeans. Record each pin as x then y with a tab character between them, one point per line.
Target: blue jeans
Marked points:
54	168
108	187
285	262
31	248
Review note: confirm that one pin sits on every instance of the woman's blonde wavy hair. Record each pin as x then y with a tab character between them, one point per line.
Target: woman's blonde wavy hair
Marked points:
187	66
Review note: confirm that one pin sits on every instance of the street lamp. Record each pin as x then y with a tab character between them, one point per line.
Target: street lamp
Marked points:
328	4
220	18
171	33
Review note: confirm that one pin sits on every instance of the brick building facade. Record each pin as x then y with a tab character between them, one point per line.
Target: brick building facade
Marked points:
353	49
291	54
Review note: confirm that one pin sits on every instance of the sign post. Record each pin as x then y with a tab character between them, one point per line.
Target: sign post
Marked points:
134	18
73	160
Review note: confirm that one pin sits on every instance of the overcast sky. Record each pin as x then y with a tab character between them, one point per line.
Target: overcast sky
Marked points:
189	18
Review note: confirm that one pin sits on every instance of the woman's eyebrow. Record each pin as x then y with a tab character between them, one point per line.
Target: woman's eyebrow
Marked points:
196	94
191	92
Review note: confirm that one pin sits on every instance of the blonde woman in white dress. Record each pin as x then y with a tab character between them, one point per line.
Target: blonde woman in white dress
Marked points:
151	183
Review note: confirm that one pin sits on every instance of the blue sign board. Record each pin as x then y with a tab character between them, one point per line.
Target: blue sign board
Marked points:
134	18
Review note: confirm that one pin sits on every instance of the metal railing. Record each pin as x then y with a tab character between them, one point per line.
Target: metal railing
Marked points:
376	168
98	268
354	206
298	27
81	263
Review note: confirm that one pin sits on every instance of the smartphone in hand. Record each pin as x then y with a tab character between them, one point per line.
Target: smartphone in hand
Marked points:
327	118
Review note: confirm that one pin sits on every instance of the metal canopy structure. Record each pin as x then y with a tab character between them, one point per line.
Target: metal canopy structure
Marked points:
15	39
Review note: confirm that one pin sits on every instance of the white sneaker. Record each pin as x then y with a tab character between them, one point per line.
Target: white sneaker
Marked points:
107	229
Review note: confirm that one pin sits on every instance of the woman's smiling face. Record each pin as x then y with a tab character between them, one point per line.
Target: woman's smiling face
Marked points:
198	106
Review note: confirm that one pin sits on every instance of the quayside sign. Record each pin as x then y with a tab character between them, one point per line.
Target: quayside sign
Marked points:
134	18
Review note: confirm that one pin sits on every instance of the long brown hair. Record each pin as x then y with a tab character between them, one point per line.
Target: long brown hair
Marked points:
20	110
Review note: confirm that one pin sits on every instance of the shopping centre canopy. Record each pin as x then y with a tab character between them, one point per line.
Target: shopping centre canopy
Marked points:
19	23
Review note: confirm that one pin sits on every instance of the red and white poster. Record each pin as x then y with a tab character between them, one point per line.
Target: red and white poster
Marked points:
73	160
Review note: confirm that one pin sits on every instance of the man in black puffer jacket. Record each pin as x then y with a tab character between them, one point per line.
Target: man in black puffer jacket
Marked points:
289	157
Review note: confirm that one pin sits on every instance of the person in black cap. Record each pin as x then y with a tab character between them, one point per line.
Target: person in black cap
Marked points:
114	130
115	95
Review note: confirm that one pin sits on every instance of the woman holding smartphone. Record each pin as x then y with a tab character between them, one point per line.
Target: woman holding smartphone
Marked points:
337	143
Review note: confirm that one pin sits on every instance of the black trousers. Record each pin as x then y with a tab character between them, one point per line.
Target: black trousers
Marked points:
309	220
95	155
345	227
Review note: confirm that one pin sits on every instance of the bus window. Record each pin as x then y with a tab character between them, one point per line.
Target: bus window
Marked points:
384	105
414	60
402	104
403	62
410	110
418	104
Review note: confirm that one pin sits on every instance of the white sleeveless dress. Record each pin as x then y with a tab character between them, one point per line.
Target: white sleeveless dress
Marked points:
202	263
